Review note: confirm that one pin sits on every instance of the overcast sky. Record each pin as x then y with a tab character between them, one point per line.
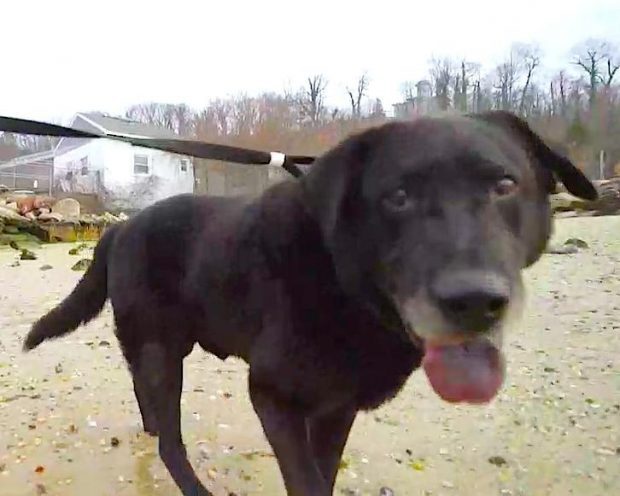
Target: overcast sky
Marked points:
63	56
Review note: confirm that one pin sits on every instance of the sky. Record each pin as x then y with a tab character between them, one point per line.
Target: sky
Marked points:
60	57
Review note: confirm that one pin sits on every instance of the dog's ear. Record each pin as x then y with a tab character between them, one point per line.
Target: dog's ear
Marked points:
561	167
327	185
332	194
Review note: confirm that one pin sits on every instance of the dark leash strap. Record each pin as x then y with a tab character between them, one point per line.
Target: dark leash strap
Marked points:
192	148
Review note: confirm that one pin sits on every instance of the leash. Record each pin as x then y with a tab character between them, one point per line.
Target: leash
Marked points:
192	148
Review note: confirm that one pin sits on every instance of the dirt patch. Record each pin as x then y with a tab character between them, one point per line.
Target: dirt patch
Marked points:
69	421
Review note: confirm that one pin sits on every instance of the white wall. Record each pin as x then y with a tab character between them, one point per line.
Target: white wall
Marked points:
125	189
131	190
71	161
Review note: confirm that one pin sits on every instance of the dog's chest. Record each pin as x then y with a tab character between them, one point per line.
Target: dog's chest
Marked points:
383	367
368	363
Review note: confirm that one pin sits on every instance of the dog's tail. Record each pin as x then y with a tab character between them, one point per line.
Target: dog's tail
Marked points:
83	304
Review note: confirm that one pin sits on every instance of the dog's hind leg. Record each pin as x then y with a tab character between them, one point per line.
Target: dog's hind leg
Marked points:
146	404
161	382
140	369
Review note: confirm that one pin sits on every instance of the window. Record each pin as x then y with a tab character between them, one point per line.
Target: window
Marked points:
184	164
141	164
84	166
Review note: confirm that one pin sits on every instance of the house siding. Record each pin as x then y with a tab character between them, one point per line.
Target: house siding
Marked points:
69	175
225	179
111	176
130	191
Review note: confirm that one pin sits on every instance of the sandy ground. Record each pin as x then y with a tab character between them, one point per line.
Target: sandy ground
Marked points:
69	422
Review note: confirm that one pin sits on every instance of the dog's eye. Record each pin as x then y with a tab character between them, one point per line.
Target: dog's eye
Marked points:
397	201
507	185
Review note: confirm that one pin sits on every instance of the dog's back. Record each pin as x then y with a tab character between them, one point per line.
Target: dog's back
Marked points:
155	265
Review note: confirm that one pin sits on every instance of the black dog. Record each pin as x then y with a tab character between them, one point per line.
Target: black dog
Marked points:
403	246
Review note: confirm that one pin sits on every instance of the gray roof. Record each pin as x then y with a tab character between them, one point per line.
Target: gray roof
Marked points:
119	125
31	158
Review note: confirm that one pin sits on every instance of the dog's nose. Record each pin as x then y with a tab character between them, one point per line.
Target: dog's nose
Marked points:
474	310
474	301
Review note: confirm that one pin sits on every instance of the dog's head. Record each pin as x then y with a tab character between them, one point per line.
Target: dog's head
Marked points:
431	222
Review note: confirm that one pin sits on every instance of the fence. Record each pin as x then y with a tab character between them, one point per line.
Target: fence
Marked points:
35	175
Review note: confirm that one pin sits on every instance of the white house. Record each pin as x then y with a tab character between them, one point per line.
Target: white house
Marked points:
124	177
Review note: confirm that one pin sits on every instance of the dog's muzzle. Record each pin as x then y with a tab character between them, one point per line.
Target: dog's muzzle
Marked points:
472	300
458	319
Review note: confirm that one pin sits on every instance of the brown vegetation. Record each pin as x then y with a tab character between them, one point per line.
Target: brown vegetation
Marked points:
578	107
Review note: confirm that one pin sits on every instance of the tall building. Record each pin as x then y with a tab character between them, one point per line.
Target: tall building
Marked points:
423	103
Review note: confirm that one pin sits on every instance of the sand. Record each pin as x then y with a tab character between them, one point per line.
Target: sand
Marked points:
69	423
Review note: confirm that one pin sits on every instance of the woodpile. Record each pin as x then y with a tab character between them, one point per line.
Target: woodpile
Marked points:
608	203
37	215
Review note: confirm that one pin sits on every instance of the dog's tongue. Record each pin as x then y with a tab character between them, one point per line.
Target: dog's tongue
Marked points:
471	372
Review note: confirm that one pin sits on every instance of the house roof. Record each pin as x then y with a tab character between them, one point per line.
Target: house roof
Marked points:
98	122
118	125
32	158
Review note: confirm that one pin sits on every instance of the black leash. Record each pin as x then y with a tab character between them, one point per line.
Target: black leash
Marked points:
180	146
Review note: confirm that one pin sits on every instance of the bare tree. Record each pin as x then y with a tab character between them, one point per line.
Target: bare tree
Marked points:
175	117
442	76
529	56
477	97
245	115
214	120
503	86
599	62
34	144
356	96
561	106
311	100
205	126
276	112
576	94
461	84
553	98
536	101
407	90
222	110
480	96
149	113
463	81
612	69
507	76
558	88
183	118
9	147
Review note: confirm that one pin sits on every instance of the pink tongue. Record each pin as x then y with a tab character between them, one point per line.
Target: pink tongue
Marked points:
471	372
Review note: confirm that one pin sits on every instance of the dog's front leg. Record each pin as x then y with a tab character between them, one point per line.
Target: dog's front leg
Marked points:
328	436
287	432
